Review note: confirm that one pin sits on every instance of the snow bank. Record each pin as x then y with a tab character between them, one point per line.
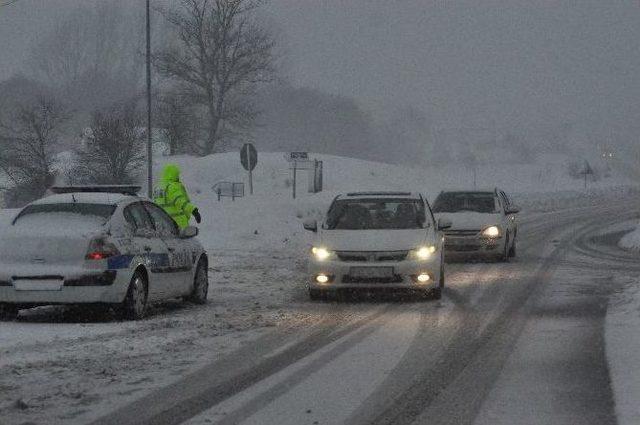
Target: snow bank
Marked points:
623	351
631	241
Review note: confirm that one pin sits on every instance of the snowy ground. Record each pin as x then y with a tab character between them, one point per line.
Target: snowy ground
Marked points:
93	364
622	324
631	240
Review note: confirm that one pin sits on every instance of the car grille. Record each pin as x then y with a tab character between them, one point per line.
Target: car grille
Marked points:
461	232
352	279
462	248
372	256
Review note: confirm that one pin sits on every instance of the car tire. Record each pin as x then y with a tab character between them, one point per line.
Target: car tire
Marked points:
317	294
134	306
513	250
436	293
8	312
200	285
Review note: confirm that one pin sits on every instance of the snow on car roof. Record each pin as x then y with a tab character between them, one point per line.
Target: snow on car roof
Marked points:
86	197
378	194
480	190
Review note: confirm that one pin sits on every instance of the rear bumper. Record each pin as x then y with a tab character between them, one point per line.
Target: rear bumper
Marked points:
88	288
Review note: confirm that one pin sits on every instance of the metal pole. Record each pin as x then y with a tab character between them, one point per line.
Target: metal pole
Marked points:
250	181
149	136
295	164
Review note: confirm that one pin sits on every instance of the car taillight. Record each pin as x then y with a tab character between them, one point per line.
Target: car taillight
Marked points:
99	249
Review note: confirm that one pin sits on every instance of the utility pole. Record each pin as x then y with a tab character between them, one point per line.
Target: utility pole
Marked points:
149	136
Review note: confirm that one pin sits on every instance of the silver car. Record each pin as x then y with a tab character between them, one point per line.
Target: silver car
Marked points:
98	245
484	223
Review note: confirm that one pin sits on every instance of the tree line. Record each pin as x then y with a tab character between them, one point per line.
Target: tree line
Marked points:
209	59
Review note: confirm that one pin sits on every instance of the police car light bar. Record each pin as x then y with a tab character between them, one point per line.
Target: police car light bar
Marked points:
113	188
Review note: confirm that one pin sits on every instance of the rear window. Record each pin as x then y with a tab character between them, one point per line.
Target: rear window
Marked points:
101	212
451	202
363	214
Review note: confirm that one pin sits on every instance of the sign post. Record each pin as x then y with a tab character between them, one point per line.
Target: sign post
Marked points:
586	171
249	160
295	157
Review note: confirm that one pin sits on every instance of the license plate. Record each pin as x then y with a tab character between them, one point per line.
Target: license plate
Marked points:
37	285
371	272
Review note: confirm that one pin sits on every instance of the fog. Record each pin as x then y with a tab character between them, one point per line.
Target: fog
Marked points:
472	70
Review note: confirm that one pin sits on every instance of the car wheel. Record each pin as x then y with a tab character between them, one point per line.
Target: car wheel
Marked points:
512	251
8	312
436	293
200	285
135	303
317	295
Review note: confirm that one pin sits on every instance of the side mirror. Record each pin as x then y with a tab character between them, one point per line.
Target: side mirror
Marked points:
189	232
444	223
310	225
512	210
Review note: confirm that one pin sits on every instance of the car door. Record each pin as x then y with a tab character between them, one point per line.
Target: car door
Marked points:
180	262
150	247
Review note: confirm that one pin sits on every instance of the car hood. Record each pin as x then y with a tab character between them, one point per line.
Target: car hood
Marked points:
373	240
470	220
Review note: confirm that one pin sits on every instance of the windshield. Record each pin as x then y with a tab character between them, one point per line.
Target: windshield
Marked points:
365	214
72	211
451	202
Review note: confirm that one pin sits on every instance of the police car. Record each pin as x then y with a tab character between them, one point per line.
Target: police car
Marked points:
98	245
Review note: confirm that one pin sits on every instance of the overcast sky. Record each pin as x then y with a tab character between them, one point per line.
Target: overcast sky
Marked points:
520	64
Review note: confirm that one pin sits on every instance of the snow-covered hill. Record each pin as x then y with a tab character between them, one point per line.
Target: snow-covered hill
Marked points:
271	217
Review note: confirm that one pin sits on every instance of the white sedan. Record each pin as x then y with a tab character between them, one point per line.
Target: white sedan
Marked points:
377	240
98	245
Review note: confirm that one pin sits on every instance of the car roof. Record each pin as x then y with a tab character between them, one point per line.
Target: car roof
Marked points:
481	190
380	194
87	198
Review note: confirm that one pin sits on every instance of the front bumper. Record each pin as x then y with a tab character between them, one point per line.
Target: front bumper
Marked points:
81	288
404	274
473	246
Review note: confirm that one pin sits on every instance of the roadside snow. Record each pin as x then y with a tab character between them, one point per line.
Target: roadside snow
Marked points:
623	350
631	241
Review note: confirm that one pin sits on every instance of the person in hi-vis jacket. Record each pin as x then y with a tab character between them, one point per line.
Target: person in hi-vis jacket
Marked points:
171	195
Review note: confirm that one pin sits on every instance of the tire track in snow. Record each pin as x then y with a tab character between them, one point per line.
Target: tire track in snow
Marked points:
465	350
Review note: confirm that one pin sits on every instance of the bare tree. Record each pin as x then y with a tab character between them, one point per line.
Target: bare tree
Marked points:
177	120
113	153
221	55
28	138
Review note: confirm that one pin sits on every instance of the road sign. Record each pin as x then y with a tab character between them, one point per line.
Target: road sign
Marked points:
249	159
248	156
298	156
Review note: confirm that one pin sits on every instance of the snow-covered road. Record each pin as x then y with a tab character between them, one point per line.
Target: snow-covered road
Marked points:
521	342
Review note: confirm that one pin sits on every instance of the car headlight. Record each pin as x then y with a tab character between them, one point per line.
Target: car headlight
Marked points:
424	252
491	232
321	254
